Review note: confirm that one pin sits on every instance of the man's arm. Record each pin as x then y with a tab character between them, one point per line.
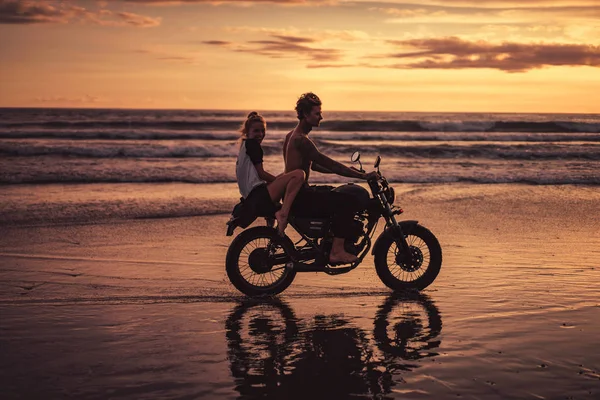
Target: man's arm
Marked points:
308	150
318	168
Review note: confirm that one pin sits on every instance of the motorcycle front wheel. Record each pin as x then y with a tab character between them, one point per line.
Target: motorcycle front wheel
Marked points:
399	272
256	262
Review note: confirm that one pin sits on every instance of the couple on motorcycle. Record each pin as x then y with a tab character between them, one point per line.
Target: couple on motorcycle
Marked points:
261	189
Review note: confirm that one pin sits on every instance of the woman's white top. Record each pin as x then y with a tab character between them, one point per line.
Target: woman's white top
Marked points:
247	176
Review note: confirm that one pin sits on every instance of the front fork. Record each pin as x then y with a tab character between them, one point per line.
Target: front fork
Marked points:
399	237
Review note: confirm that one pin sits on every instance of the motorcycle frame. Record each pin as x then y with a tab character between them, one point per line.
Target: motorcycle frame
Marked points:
317	253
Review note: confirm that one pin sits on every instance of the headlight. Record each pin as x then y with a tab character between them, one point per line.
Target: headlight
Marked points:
390	195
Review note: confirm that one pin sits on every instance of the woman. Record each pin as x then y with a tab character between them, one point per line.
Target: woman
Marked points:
256	185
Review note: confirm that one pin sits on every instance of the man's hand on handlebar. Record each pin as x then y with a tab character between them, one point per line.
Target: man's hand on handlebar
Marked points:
366	176
373	175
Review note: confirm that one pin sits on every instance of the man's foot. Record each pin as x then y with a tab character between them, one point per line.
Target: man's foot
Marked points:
282	221
342	258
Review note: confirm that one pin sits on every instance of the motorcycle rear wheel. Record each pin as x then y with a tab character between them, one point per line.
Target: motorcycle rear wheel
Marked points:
400	275
249	263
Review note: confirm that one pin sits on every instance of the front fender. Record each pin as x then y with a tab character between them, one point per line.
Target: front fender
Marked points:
389	231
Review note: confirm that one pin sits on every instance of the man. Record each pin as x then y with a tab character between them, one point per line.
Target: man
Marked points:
300	152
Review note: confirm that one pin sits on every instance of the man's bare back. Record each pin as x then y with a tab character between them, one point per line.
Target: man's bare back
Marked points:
292	154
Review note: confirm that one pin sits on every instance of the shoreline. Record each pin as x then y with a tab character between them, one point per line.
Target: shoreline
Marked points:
143	308
65	204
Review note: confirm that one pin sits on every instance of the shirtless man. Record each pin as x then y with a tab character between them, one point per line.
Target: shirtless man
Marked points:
300	152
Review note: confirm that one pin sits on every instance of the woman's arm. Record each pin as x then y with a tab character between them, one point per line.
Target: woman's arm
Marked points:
264	175
255	153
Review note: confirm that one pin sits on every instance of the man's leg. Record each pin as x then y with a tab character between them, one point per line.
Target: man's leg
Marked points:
326	204
344	208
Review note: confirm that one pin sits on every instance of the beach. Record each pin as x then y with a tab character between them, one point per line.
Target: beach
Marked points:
142	308
131	130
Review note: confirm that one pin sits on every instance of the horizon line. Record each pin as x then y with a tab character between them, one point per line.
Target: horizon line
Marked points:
290	111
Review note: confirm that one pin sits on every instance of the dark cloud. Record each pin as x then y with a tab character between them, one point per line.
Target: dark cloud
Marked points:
19	12
159	2
324	65
182	59
137	20
217	42
419	3
294	39
455	53
224	1
34	12
283	46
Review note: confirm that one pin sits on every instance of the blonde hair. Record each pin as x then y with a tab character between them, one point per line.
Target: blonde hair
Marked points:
250	119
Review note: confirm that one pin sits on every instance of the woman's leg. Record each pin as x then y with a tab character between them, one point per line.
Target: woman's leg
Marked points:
286	186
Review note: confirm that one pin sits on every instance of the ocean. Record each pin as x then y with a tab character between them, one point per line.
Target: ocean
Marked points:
83	164
105	294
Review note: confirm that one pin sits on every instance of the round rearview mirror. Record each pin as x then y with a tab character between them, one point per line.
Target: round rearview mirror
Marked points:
377	161
355	156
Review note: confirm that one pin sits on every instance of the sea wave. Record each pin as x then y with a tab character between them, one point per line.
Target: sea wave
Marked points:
108	134
117	150
486	150
97	203
414	174
161	135
362	125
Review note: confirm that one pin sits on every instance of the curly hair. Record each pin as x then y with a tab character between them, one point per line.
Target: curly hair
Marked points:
251	118
305	104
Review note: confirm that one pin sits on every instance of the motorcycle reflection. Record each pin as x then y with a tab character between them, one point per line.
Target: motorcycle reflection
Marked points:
273	354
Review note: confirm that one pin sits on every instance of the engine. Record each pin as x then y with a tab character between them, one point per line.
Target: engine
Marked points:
352	243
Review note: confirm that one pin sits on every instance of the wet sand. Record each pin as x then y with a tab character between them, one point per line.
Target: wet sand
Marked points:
143	309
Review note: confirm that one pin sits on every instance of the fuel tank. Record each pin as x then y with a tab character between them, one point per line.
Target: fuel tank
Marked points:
361	194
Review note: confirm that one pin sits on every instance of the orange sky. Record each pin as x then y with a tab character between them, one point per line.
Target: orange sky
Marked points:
426	55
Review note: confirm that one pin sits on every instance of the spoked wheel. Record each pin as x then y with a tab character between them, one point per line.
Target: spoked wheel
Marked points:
398	270
260	333
407	326
256	262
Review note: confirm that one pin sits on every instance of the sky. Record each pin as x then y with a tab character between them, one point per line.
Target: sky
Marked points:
426	55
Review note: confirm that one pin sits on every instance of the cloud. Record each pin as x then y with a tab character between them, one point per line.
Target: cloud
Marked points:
20	12
86	99
456	53
478	14
183	59
325	65
161	2
322	36
138	20
283	46
34	12
452	3
217	42
168	55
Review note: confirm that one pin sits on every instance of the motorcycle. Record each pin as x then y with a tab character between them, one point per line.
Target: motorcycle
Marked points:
407	255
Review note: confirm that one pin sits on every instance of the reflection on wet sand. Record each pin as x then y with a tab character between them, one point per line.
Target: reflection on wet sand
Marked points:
274	354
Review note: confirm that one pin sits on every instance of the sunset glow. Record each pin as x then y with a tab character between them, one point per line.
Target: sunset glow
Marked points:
436	55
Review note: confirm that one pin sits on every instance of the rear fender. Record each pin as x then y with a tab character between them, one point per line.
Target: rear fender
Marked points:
390	231
241	217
